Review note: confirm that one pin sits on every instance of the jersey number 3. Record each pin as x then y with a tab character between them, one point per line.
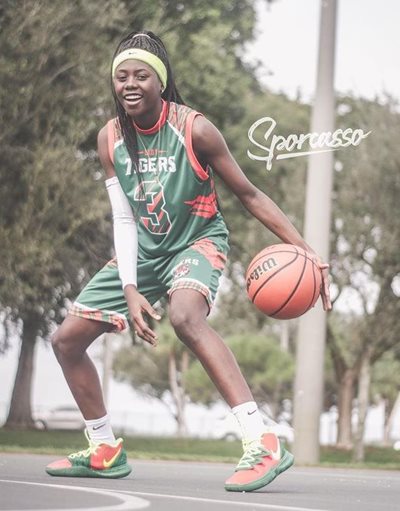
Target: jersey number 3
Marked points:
150	196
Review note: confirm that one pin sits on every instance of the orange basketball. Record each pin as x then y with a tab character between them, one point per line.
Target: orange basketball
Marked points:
283	281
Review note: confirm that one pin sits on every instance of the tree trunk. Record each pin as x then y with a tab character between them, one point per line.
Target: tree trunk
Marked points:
364	381
390	420
178	394
20	413
345	403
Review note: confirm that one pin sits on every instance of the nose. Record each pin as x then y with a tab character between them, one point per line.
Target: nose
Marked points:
130	83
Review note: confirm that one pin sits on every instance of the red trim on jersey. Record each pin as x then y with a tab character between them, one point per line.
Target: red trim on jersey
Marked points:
198	169
159	124
111	138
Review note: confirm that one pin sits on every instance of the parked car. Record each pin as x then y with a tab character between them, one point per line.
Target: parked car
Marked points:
62	417
227	428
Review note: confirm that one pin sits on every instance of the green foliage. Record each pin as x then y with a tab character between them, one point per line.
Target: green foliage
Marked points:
47	227
268	370
145	367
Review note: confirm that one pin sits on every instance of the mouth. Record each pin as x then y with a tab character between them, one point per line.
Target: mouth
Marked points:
132	98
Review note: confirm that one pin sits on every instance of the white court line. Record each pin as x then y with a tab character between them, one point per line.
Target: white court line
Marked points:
227	502
129	502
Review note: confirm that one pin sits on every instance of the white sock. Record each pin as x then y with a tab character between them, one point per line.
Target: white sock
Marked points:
100	430
250	421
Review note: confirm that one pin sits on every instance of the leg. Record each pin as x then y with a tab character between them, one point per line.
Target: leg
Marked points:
264	459
188	312
70	343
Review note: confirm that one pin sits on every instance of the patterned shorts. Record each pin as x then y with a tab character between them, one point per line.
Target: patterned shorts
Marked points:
198	267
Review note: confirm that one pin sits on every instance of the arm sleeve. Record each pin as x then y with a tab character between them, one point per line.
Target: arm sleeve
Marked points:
125	232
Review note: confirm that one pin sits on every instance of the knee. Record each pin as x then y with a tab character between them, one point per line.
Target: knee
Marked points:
64	346
187	324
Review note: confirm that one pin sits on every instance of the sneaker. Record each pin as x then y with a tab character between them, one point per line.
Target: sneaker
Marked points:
260	465
99	460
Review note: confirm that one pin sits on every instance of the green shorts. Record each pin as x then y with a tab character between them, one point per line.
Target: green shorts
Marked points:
198	267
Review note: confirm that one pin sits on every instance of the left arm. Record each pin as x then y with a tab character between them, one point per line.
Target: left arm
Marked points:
210	146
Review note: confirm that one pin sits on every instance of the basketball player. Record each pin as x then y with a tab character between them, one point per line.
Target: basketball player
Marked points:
159	156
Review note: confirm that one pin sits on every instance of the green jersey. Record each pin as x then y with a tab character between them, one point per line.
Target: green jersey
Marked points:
174	197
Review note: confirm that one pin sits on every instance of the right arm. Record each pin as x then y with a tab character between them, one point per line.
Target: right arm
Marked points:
125	243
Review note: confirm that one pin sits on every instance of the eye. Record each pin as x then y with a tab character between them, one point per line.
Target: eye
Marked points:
142	77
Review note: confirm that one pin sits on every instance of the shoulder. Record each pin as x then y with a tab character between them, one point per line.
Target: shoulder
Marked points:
207	139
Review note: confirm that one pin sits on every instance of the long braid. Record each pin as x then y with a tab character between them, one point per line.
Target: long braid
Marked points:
149	42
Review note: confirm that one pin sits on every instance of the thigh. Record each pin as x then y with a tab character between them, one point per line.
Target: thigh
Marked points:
80	331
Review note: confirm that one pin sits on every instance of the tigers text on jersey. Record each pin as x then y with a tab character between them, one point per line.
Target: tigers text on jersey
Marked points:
172	195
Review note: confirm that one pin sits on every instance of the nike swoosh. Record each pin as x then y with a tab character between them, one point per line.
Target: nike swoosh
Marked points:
108	463
251	413
95	428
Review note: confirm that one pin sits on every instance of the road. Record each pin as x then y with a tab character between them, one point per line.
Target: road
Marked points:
167	486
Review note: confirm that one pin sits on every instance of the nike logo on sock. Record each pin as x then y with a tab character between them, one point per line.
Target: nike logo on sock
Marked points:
95	428
251	413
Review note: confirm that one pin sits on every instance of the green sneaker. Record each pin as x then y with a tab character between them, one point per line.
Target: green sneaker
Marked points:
99	460
260	465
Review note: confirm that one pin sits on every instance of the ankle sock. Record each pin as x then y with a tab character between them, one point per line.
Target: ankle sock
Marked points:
250	422
100	430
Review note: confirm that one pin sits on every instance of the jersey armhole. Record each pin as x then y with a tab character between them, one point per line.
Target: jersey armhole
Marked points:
200	172
111	138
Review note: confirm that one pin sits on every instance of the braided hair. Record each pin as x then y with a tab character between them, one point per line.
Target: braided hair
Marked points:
148	41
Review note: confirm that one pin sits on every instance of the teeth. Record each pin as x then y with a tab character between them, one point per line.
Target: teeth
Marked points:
133	96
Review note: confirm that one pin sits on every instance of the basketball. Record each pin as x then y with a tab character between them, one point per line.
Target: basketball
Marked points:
283	281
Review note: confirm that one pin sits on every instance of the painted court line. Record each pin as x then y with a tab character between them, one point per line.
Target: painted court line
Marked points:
129	502
226	502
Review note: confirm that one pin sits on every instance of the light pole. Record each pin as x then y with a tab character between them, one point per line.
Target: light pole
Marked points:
309	381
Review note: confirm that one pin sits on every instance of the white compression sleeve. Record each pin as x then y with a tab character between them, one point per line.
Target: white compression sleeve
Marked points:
125	232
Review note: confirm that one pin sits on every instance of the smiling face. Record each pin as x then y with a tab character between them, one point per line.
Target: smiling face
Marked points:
138	89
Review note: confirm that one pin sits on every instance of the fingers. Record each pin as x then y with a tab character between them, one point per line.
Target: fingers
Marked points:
150	311
325	295
142	329
146	334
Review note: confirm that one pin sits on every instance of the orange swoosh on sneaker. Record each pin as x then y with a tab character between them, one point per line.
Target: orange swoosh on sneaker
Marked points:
108	463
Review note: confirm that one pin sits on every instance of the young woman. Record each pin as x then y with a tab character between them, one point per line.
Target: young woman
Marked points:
159	156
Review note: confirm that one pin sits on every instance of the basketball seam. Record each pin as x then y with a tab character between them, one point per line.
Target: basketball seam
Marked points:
254	261
276	273
294	290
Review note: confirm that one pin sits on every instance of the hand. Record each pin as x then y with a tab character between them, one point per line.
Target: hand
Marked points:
137	305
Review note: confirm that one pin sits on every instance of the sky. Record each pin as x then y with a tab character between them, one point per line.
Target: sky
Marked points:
367	42
368	39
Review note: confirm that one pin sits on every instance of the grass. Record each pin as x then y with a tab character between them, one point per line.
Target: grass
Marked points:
184	449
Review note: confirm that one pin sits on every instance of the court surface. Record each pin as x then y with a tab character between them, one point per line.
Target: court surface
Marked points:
170	485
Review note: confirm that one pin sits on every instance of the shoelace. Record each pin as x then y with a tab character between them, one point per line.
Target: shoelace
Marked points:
86	452
252	456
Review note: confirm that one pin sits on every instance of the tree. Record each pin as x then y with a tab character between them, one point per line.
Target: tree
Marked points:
56	59
48	234
386	385
158	372
365	240
268	370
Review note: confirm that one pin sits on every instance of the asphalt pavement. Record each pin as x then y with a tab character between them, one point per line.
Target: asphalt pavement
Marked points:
168	486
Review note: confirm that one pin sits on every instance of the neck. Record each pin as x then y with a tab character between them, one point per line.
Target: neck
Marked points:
148	120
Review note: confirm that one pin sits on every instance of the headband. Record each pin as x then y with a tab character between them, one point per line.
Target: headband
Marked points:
144	56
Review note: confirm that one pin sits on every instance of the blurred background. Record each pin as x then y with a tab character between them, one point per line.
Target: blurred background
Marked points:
236	61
